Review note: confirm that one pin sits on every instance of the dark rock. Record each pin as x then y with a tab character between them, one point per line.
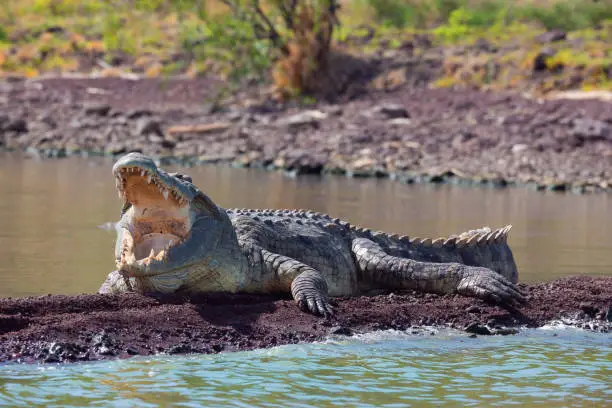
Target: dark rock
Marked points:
484	45
48	120
16	125
63	351
4	120
588	309
505	331
552	36
103	344
54	29
392	111
341	331
97	109
138	113
148	126
540	61
168	143
266	107
9	323
131	351
477	328
180	349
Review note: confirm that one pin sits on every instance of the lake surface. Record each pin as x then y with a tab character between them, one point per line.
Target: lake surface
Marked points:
50	211
50	242
543	367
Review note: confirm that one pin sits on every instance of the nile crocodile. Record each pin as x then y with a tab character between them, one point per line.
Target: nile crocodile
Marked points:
173	238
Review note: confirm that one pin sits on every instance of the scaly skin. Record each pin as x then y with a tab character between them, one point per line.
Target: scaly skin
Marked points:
311	255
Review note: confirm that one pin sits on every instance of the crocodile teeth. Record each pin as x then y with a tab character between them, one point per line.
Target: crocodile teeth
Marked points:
149	179
142	173
165	193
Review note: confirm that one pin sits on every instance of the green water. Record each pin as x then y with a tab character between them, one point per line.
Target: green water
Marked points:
547	367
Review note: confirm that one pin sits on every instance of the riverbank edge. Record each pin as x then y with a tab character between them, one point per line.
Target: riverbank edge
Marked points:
448	177
483	138
90	327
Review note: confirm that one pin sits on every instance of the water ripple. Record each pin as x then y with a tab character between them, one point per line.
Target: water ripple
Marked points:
556	367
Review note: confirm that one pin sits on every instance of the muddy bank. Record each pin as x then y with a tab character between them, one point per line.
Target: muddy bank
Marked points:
413	134
94	327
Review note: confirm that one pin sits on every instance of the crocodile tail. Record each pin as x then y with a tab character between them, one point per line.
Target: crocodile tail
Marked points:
479	247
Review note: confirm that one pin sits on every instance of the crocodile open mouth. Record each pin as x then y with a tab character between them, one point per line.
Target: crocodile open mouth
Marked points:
159	215
138	186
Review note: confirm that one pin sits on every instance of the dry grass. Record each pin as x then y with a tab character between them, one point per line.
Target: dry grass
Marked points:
302	68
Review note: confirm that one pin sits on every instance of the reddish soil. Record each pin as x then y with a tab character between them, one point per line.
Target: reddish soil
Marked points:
94	327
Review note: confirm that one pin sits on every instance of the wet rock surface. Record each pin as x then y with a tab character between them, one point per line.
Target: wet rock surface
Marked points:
413	134
95	327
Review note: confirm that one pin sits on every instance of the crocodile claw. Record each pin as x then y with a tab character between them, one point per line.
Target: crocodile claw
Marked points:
315	305
309	290
485	284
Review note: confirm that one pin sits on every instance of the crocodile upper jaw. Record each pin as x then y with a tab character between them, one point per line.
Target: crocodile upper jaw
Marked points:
157	218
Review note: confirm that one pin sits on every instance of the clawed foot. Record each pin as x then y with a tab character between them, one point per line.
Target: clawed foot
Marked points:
316	305
310	293
487	285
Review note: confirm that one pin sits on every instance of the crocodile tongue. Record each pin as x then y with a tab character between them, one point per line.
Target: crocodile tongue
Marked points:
154	246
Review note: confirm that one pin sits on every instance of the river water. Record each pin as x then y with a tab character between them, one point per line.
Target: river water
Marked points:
51	242
546	367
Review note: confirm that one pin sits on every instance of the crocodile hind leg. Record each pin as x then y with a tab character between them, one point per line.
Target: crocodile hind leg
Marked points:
384	270
308	287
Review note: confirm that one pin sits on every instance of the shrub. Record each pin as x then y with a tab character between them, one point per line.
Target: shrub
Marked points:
396	13
294	35
3	35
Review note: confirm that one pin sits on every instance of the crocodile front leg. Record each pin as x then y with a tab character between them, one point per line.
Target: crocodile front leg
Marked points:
392	272
308	287
115	283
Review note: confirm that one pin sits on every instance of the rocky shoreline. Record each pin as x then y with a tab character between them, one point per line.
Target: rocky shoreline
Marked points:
57	328
413	134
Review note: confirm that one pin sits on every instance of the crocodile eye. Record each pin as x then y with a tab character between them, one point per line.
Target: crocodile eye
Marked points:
181	176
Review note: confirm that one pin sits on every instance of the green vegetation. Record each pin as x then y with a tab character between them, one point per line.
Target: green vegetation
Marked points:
564	15
291	39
